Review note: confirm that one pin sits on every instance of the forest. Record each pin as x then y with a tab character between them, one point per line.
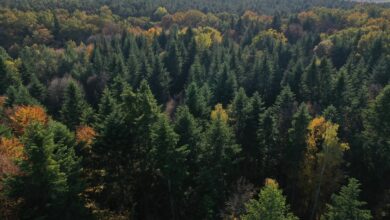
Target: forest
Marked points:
179	109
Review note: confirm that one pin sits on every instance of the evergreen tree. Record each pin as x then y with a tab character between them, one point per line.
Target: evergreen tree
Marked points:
37	89
170	161
195	101
74	107
267	136
271	204
19	95
4	80
174	63
160	81
226	86
346	204
47	185
296	148
219	163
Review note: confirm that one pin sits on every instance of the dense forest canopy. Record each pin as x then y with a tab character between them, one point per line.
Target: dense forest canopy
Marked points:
169	109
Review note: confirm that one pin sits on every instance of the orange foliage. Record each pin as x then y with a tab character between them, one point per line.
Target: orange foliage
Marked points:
22	116
2	101
85	134
10	149
89	50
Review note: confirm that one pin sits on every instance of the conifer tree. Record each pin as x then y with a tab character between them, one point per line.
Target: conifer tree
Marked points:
271	204
346	205
160	81
74	107
219	162
47	185
170	161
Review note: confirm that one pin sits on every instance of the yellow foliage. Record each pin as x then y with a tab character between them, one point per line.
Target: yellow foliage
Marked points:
271	182
22	116
206	36
189	18
357	18
85	134
253	16
219	113
308	15
269	34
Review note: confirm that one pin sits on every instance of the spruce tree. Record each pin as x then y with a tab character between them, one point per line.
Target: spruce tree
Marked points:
271	204
346	205
47	185
74	107
219	163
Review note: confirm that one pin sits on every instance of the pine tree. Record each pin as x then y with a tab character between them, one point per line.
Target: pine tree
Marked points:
346	205
271	204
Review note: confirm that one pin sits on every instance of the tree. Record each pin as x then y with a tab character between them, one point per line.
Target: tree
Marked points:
19	95
23	116
271	204
160	81
74	108
322	161
41	175
196	101
170	161
226	86
159	13
374	151
189	135
3	77
346	205
296	148
219	163
245	119
174	63
267	136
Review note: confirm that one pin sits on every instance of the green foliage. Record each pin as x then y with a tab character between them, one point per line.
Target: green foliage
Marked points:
46	174
271	205
346	205
74	109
